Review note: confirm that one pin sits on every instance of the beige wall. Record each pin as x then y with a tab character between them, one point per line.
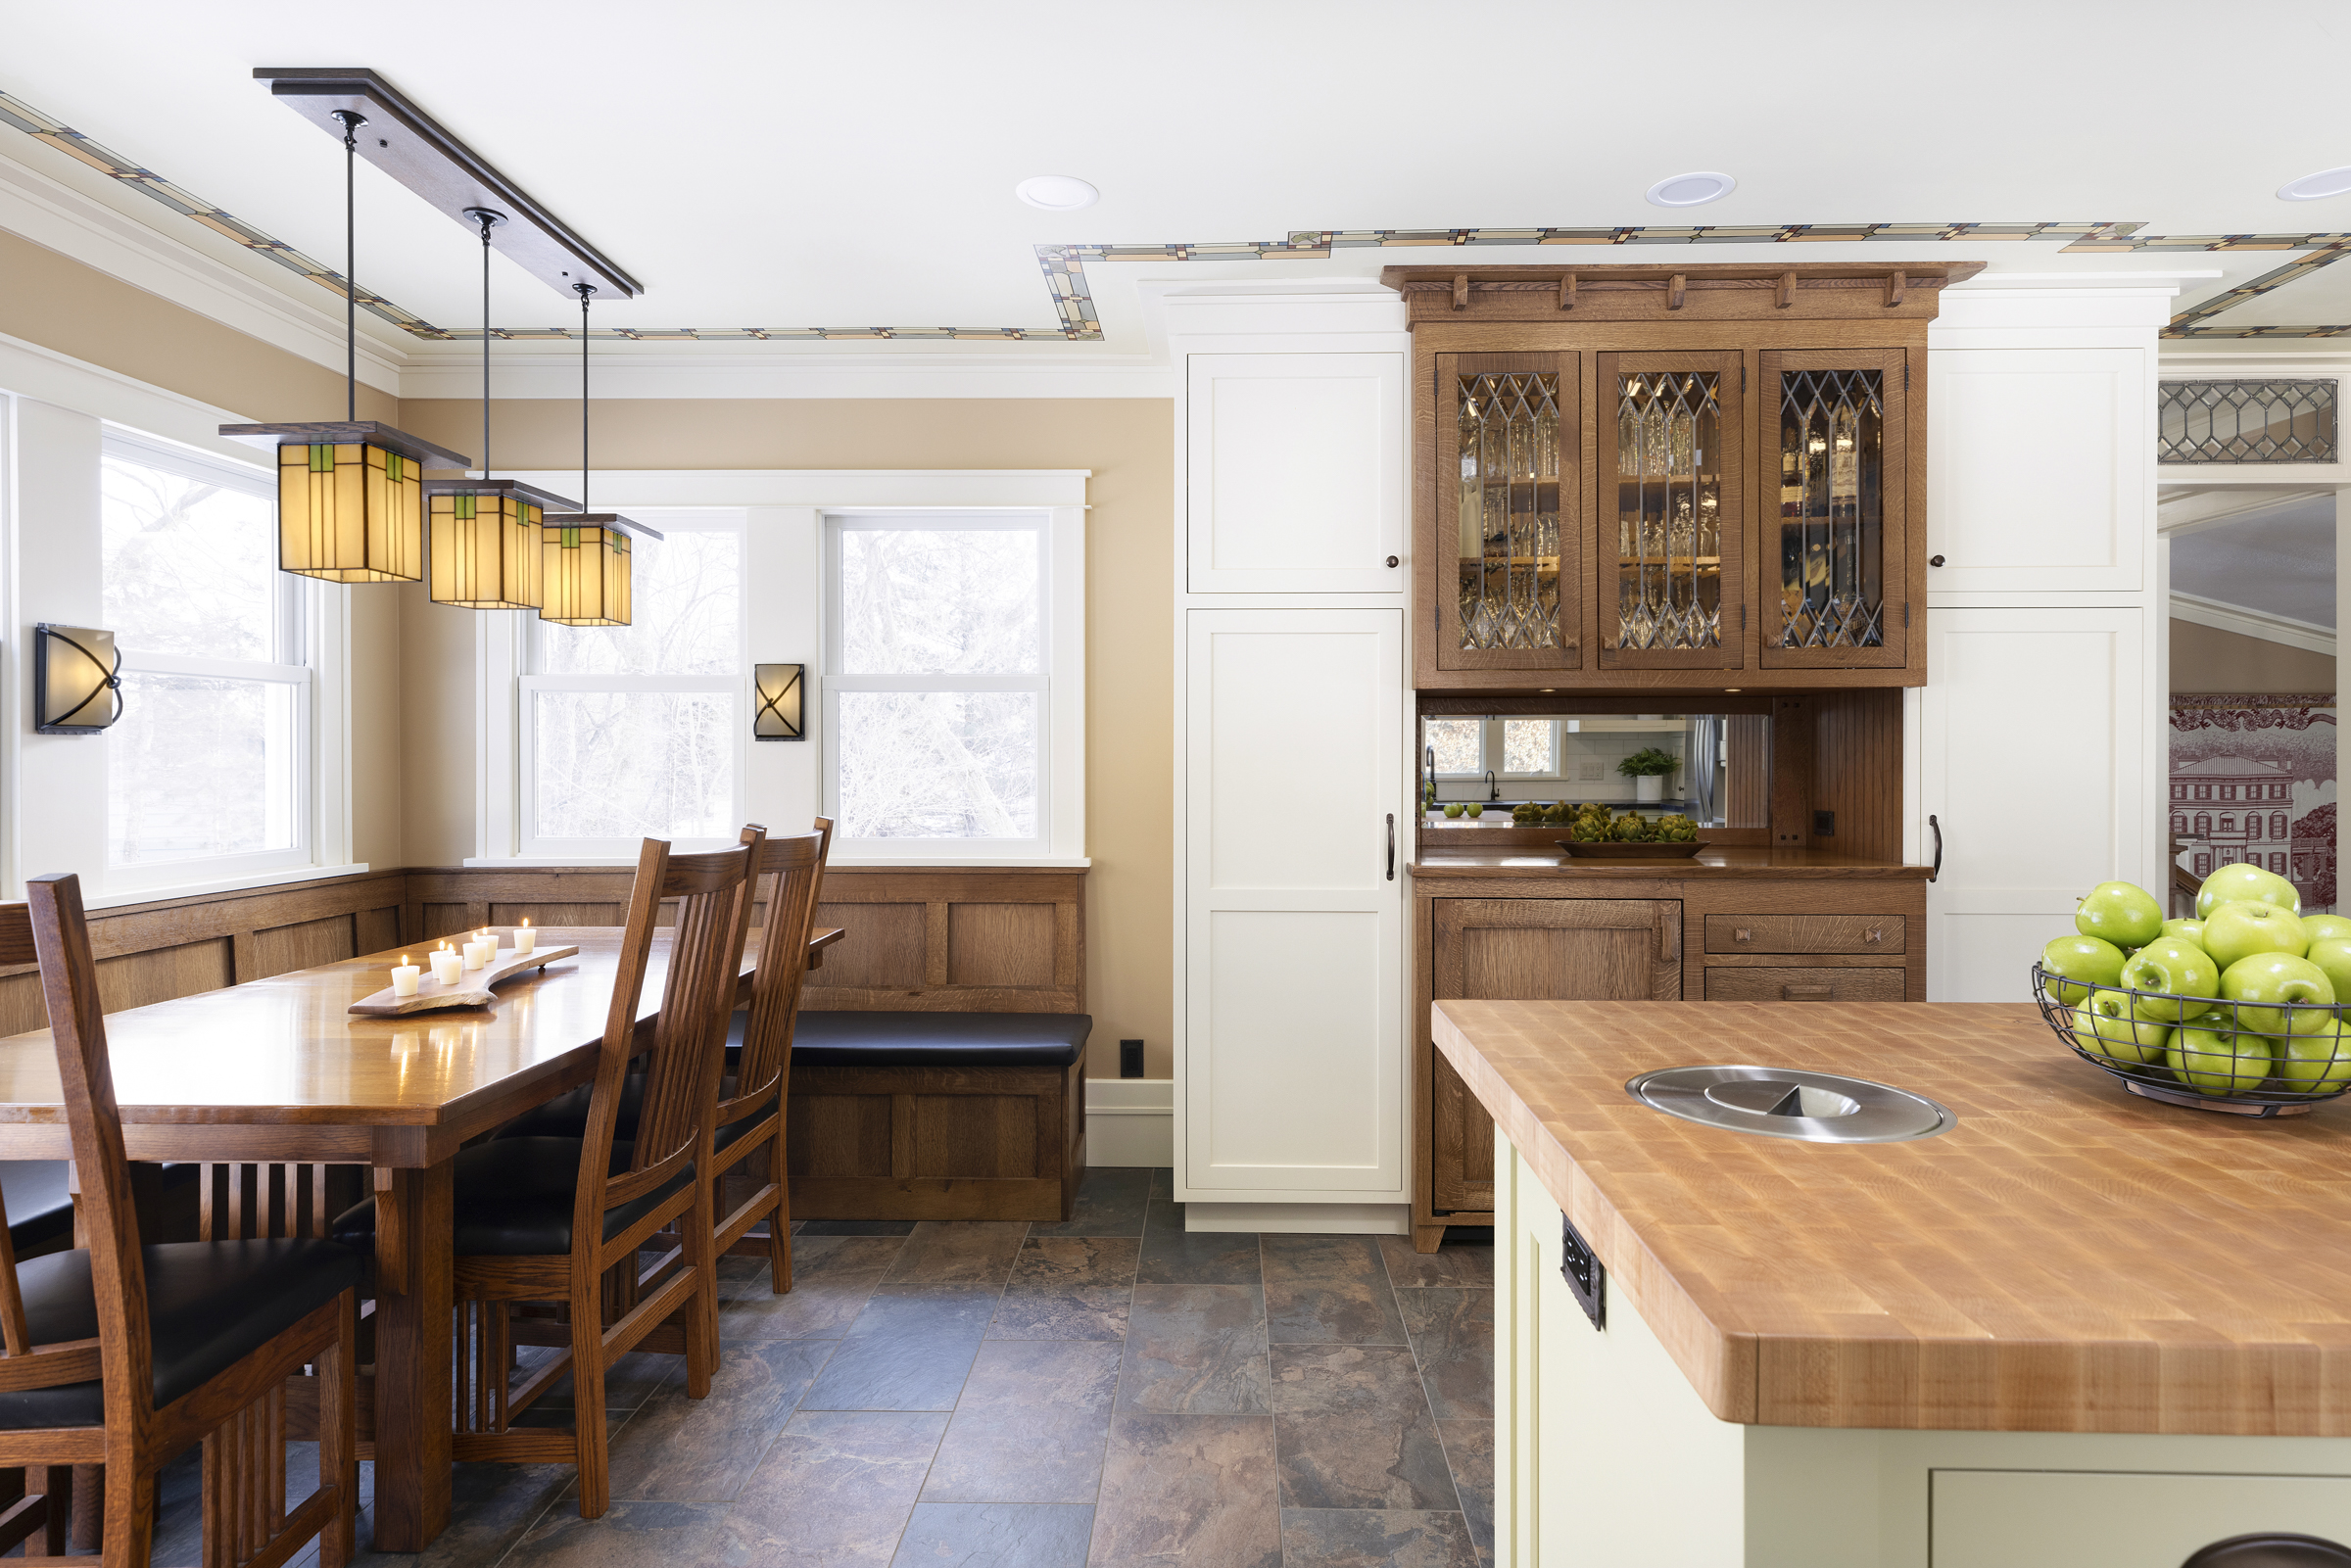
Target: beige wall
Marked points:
1129	620
2205	658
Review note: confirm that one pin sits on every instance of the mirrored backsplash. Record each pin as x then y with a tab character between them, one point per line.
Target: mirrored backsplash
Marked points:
1714	767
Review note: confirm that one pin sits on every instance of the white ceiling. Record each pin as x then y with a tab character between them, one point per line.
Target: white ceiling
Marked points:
2278	560
779	165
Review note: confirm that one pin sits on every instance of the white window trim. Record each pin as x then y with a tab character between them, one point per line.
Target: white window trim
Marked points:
785	578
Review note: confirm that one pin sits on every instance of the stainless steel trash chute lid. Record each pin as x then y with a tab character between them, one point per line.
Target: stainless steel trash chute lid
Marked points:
1790	1103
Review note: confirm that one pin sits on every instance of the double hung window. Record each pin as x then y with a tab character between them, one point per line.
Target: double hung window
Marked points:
637	731
950	717
211	770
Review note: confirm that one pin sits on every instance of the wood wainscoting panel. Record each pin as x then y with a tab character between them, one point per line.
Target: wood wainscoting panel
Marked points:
283	949
836	1134
548	914
972	1135
377	929
1857	771
448	919
135	980
1000	944
883	950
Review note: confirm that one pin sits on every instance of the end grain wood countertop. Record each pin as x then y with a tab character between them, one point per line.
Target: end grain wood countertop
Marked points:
2067	1258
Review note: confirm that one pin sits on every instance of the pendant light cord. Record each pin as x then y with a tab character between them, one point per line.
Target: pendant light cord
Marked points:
489	220
584	290
352	121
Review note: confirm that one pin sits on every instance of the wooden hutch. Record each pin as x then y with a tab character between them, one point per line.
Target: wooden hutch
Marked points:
1642	488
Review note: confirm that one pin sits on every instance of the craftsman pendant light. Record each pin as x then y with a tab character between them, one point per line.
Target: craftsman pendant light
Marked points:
350	495
586	553
484	533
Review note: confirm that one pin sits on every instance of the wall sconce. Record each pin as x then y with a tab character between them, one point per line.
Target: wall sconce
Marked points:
778	715
76	679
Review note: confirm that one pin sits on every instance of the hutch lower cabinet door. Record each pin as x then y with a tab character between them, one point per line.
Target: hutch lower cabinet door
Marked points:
1296	829
2038	761
1533	950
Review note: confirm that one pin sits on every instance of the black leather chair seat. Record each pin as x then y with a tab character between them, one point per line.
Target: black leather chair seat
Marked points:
566	1115
513	1200
40	1207
939	1039
210	1304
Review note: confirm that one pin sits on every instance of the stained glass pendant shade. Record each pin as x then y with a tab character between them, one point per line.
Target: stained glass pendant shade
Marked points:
485	537
585	559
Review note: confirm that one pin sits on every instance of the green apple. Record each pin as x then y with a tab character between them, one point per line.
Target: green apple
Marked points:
2333	955
2260	984
2250	883
1453	808
2238	930
2179	968
1475	808
2327	928
2188	931
2220	1061
2316	1063
2081	958
2109	1024
2121	913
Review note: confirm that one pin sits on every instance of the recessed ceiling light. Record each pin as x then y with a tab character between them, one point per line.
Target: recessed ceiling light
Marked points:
1691	190
1057	193
2317	187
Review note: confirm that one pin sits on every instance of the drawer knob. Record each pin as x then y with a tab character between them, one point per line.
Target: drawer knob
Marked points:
1742	934
1873	935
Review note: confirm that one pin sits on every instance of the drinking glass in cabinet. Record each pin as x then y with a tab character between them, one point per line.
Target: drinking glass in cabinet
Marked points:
1669	503
1510	510
1831	525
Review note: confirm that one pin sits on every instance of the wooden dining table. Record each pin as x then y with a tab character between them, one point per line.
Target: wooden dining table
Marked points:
278	1071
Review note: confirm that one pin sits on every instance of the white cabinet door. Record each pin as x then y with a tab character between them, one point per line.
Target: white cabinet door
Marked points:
1297	473
2034	760
2039	464
1294	781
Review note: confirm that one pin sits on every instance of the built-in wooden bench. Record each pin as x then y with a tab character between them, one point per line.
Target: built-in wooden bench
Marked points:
938	1067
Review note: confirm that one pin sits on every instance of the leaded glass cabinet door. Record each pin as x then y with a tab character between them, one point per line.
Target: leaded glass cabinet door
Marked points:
1670	518
1506	504
1836	507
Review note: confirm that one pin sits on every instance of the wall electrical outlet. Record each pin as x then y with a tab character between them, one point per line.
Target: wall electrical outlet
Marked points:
1130	1059
1824	825
1587	770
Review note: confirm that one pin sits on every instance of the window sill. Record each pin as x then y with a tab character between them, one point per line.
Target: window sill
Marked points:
844	862
164	892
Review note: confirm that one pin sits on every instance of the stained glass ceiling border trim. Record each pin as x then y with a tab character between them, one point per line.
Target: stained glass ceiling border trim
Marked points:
1064	265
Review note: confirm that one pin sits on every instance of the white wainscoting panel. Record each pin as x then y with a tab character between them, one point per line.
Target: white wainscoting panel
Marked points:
1296	473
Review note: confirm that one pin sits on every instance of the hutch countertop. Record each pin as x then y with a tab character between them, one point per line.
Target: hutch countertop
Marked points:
2066	1259
1711	864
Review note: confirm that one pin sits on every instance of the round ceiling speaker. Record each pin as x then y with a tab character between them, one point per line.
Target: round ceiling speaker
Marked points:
1691	190
1057	193
2317	187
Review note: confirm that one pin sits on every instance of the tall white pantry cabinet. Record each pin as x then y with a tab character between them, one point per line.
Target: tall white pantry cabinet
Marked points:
2033	758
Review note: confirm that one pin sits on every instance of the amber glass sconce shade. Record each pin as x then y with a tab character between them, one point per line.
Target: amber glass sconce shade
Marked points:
76	679
779	689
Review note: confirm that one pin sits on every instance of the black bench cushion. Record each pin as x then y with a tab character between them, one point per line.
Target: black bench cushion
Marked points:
939	1039
40	1208
513	1200
210	1304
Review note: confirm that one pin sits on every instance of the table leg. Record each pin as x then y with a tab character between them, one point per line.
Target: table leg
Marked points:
413	1416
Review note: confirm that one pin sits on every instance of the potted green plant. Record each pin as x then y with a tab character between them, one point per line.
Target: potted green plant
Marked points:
1648	769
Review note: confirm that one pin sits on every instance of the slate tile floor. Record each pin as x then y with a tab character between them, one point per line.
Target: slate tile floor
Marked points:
1110	1390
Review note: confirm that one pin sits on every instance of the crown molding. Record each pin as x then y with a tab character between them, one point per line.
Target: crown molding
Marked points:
2303	634
778	370
55	215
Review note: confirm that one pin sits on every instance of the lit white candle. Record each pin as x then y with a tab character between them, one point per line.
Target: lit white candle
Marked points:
525	939
445	965
405	977
475	957
488	940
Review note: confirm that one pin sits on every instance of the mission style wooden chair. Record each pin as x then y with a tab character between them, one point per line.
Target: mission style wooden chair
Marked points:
549	1219
747	1117
123	1355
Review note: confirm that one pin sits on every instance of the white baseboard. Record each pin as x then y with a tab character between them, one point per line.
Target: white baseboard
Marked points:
1130	1121
1305	1219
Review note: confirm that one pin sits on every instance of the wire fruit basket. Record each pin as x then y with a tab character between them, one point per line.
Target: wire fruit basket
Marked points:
2237	1058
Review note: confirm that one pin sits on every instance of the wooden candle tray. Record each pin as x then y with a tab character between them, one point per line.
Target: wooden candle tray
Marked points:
469	989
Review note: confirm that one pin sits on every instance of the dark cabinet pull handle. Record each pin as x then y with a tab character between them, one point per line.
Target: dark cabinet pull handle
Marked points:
1391	847
1393	561
1934	560
1805	993
1938	827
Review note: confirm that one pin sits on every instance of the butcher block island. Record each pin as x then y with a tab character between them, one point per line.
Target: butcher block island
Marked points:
2051	1325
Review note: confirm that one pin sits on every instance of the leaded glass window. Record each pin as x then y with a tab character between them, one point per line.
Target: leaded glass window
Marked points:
1509	429
1669	510
1832	522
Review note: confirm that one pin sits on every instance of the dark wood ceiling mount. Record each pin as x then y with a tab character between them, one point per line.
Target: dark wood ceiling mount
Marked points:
415	149
348	433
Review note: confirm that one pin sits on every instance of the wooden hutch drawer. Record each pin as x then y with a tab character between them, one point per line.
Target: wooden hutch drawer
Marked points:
1804	934
1804	984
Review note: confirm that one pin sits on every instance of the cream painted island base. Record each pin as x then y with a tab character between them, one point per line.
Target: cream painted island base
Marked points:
1604	1454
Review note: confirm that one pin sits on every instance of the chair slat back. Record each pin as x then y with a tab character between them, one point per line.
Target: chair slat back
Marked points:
713	917
61	940
796	863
